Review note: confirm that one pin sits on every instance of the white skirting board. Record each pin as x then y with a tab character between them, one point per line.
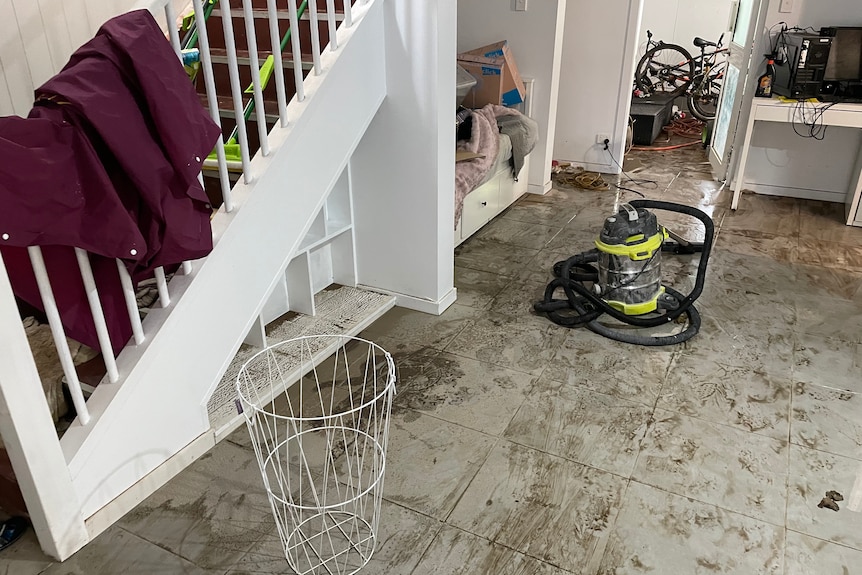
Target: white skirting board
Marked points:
801	193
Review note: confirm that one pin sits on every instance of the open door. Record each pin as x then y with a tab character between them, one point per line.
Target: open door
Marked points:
747	19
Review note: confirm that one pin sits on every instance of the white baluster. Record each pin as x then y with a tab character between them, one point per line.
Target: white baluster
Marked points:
333	26
315	35
254	67
348	13
296	49
58	333
131	302
171	17
236	90
278	63
98	314
162	284
212	100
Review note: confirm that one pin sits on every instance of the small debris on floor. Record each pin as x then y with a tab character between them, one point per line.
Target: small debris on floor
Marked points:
827	503
834	496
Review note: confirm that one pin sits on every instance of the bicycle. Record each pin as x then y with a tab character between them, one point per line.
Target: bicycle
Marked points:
671	69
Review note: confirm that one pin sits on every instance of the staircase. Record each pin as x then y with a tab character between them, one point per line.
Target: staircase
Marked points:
283	264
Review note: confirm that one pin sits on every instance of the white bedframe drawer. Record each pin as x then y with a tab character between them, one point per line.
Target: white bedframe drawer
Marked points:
480	206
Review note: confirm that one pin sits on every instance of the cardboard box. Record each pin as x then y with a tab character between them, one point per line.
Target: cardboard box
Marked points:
498	79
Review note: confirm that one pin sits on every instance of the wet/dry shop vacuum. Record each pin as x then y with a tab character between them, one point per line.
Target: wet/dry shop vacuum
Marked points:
621	277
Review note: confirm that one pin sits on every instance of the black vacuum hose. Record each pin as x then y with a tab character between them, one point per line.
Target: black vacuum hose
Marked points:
584	307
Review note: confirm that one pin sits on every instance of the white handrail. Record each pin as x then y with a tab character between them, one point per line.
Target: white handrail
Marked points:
162	285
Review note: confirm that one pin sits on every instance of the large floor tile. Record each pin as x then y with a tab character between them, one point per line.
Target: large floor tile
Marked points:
826	361
525	343
827	419
518	297
477	288
812	474
457	552
212	513
535	209
830	317
543	506
768	214
479	395
430	462
741	343
816	281
659	532
521	234
839	255
736	470
626	371
24	557
806	555
587	427
406	330
402	537
118	551
490	256
824	222
707	387
754	243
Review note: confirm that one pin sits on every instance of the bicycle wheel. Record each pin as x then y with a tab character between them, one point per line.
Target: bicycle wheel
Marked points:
703	99
667	69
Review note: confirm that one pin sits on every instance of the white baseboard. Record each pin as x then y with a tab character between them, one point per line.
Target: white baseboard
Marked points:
434	307
801	193
149	484
540	189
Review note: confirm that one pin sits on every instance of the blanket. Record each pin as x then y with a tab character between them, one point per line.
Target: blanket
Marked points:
487	123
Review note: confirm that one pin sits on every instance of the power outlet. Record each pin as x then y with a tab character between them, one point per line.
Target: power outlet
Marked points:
786	6
519	5
600	138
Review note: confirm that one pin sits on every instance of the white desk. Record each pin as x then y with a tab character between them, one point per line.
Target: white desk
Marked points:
773	110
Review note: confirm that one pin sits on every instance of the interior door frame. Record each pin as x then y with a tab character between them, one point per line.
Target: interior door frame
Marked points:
743	57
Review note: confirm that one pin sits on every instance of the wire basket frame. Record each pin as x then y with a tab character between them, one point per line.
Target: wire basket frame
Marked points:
320	431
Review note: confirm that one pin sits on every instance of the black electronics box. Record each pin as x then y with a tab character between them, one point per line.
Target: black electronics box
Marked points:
802	69
650	115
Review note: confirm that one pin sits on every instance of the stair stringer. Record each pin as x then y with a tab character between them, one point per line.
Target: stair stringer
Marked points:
159	407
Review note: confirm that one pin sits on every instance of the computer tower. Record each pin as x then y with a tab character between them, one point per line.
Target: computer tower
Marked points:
801	64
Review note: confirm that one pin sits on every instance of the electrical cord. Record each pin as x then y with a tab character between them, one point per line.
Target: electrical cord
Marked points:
814	126
629	179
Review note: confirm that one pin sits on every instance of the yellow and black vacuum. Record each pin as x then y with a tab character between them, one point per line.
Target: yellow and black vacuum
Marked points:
621	277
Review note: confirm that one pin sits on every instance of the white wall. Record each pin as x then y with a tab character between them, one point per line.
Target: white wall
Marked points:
38	36
536	39
679	21
599	46
404	186
780	161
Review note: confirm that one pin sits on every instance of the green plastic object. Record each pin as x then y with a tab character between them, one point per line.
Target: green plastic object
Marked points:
265	74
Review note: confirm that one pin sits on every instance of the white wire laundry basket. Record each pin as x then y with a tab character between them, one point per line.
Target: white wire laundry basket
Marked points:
320	430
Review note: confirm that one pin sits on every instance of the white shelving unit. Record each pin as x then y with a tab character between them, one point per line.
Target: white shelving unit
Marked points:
326	255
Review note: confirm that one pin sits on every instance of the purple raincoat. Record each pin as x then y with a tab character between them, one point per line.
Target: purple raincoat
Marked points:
108	161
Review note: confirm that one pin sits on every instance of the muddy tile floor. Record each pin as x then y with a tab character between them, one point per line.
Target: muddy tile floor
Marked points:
521	448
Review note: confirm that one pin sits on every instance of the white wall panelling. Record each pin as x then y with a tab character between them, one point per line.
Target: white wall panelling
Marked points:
598	62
